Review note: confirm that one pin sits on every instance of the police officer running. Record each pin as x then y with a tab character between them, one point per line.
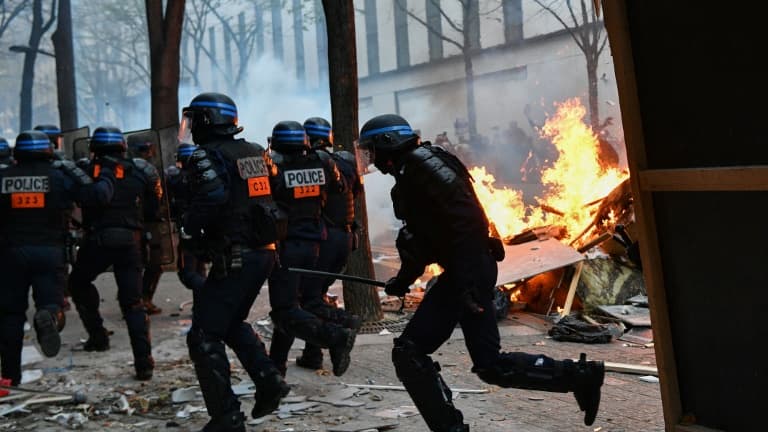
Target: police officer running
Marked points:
301	189
339	217
231	220
113	237
445	223
35	195
153	268
191	269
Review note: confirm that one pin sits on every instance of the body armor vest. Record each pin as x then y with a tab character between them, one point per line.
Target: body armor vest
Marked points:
36	204
126	210
339	209
302	188
251	216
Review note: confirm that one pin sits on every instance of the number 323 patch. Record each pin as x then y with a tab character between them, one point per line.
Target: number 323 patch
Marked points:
27	200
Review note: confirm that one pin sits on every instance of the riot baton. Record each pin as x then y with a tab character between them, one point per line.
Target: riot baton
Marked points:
318	273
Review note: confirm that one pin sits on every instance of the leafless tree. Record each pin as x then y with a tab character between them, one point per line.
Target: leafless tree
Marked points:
243	36
587	30
10	10
360	299
38	29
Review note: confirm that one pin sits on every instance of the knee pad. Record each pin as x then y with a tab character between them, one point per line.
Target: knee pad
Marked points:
204	350
410	362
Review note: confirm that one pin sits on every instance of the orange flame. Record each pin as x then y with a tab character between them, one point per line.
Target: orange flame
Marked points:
574	180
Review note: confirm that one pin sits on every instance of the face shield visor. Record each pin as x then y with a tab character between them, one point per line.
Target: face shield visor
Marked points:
364	157
185	127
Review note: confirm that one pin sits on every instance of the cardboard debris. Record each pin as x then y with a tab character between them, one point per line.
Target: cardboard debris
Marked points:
30	355
535	257
632	315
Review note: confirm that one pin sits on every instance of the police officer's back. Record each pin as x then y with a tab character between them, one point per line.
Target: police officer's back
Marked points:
301	189
113	237
5	153
231	220
35	196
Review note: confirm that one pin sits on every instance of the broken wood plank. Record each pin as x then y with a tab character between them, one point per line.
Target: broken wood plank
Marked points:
572	289
631	369
632	315
529	259
401	388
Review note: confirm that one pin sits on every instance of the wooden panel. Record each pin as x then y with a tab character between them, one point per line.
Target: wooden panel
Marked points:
748	178
535	257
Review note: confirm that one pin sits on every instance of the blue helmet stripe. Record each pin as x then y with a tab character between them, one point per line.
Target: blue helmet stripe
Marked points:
318	128
103	135
32	143
50	131
186	151
291	138
401	130
288	132
223	106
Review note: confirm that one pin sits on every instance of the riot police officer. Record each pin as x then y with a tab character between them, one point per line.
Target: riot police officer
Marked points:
445	223
56	137
113	237
339	217
153	268
190	268
35	195
5	153
301	189
232	220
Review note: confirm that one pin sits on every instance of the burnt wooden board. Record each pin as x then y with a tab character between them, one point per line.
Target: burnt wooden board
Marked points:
535	257
632	315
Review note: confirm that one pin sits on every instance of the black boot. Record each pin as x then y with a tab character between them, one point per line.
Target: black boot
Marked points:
538	372
47	332
340	351
588	377
230	422
98	340
144	368
311	357
271	388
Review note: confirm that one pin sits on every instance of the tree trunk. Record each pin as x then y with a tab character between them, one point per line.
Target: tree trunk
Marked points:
164	50
359	299
594	103
65	68
28	73
469	81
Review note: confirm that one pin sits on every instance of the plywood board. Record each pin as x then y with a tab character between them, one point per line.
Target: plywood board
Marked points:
535	257
632	315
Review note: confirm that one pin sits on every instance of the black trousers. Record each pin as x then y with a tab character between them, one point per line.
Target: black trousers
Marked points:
126	262
44	269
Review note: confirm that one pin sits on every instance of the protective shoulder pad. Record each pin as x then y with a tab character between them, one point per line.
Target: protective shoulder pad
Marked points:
147	168
202	170
172	170
429	168
323	155
72	171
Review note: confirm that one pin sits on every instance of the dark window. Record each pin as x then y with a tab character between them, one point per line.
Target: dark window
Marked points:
435	23
513	20
401	34
372	36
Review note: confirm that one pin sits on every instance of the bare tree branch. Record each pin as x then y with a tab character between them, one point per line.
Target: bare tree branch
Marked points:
563	23
7	18
445	16
430	28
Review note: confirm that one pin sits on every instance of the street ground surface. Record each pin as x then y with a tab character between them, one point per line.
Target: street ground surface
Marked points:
118	402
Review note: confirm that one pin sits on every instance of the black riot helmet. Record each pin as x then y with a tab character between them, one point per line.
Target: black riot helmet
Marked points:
319	132
32	144
140	148
289	137
54	134
384	137
5	150
108	139
208	116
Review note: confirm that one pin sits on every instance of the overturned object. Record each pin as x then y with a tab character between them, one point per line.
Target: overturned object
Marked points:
572	329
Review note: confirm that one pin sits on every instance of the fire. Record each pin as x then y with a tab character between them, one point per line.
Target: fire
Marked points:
574	180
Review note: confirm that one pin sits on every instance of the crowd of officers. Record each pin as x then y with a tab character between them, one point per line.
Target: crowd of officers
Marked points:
245	216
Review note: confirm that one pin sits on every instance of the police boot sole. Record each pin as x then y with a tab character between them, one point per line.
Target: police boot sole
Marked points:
340	355
260	409
47	333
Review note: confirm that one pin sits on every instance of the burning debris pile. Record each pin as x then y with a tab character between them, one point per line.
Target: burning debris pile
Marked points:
586	206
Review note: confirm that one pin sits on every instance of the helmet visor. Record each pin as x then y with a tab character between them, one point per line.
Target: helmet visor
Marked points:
364	158
185	128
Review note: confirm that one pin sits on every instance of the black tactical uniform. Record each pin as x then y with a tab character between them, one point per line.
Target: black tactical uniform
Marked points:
113	237
35	196
445	224
153	267
231	220
191	269
339	217
300	189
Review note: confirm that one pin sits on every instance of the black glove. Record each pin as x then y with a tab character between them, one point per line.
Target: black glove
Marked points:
469	298
396	287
